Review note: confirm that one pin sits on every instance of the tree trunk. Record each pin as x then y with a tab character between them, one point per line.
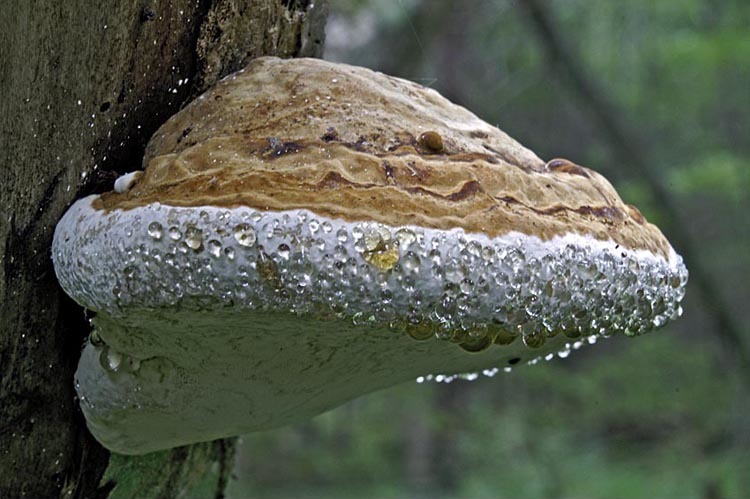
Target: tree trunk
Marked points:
83	85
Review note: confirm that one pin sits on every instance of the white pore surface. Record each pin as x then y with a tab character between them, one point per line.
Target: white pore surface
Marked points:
214	322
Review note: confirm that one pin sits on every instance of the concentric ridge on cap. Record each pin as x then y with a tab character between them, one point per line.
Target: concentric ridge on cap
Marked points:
348	143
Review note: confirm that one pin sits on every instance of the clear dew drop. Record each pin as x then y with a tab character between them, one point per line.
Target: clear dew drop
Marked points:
244	235
372	240
283	251
110	359
95	338
405	238
155	230
214	248
174	233
453	272
194	238
410	262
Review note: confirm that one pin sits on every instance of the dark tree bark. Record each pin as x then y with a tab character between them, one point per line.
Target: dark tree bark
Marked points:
83	85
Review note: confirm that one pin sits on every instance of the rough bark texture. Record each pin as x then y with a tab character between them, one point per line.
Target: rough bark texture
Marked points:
83	86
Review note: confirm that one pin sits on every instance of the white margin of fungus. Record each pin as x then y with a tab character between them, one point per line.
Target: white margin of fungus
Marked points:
168	377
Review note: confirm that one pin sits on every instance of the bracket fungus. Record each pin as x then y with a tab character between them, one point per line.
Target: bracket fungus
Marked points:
306	232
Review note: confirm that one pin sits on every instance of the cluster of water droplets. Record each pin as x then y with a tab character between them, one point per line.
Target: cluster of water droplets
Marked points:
465	288
564	352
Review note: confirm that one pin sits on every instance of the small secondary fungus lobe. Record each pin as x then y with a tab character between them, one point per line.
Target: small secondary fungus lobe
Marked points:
324	231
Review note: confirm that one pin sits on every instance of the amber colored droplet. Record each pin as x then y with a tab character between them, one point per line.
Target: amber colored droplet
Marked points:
534	340
420	331
384	259
432	141
267	269
504	337
565	166
571	332
476	345
552	333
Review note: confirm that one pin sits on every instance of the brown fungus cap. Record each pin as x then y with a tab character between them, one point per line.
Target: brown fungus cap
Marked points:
351	143
306	232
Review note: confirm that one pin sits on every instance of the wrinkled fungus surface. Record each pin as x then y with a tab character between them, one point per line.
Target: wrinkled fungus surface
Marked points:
270	265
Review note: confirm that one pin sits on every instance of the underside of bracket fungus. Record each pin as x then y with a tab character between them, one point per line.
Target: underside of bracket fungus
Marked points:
307	232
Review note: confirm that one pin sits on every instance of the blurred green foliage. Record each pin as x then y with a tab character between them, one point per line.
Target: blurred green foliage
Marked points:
662	416
621	424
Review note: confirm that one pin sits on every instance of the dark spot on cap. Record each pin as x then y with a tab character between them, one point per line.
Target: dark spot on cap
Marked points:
478	134
606	213
467	190
277	148
330	135
514	361
147	15
389	173
184	134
